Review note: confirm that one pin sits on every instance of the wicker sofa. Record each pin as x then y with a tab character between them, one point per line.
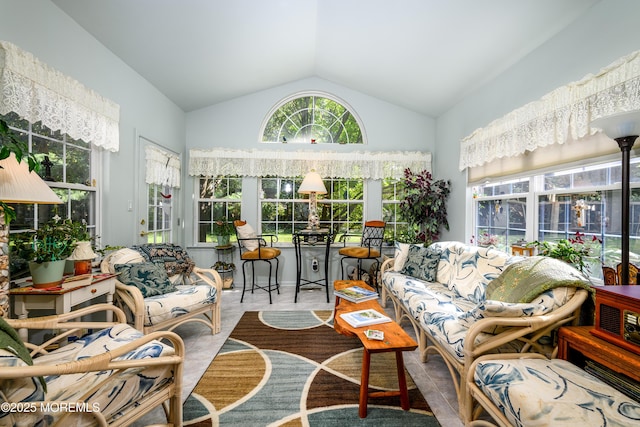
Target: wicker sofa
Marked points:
442	290
112	376
160	287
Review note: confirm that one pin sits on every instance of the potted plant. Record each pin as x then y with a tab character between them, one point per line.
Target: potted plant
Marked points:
223	231
424	205
53	242
576	251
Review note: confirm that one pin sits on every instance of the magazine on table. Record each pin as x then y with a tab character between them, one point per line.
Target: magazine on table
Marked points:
356	294
364	318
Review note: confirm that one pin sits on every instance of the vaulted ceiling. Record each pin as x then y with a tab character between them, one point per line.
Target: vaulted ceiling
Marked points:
424	55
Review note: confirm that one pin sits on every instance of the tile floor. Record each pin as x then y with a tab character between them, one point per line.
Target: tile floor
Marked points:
432	378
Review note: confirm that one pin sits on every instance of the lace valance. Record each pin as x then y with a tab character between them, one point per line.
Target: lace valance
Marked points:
162	168
37	92
565	112
330	164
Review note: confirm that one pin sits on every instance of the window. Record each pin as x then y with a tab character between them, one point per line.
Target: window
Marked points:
585	200
501	214
392	196
159	203
311	119
219	200
284	211
66	165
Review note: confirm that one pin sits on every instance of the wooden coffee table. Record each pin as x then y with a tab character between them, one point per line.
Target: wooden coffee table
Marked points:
395	339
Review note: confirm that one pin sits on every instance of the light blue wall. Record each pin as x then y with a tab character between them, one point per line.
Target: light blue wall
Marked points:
39	27
608	31
236	124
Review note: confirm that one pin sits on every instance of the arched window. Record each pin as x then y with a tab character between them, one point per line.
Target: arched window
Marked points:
312	118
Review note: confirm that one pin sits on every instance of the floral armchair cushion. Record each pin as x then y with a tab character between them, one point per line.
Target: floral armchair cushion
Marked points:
131	384
176	259
150	277
537	392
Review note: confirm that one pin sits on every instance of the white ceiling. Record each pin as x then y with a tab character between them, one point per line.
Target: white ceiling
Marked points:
424	55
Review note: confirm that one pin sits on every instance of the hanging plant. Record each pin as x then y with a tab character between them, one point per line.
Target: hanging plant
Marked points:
424	206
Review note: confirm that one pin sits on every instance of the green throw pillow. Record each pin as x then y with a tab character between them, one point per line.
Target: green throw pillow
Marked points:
524	280
422	263
150	277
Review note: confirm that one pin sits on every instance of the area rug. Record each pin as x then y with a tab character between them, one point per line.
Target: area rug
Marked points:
290	368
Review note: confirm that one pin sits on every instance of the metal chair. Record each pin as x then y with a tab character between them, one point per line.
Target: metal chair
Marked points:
254	248
370	246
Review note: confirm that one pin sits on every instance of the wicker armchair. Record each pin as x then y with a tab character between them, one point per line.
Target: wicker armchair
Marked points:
80	376
195	294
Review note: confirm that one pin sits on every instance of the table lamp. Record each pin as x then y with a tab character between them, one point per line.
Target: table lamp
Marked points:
312	185
624	128
82	257
17	185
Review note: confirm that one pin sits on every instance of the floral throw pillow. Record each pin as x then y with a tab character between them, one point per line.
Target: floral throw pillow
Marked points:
150	277
421	263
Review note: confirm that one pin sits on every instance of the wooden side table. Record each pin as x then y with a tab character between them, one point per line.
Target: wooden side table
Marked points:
572	339
395	339
61	300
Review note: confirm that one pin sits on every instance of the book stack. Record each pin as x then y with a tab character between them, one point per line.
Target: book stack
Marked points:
356	294
77	281
367	317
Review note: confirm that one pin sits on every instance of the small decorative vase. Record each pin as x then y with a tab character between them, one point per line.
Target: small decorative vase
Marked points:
47	274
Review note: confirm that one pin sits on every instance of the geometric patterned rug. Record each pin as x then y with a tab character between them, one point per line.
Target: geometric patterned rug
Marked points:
290	368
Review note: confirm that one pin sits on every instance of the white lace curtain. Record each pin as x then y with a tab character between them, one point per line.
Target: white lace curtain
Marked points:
37	92
162	168
332	164
561	115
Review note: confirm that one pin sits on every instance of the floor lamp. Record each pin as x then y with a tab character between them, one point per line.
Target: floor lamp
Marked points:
312	185
624	128
17	185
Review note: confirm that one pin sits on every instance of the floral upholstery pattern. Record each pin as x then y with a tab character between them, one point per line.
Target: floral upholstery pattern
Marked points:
176	259
540	392
421	263
150	277
184	300
131	384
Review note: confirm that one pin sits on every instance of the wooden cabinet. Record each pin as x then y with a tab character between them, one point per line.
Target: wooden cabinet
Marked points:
577	345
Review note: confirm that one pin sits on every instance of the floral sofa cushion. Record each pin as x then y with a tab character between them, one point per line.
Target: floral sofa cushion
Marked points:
540	392
467	270
184	300
130	384
421	263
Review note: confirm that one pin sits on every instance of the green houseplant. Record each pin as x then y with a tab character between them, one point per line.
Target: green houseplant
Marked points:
53	243
425	204
576	250
223	231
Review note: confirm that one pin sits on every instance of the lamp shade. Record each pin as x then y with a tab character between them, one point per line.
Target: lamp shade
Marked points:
82	252
619	125
312	183
18	185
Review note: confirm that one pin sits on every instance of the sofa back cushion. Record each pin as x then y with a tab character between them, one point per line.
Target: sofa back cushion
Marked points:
467	270
150	277
422	263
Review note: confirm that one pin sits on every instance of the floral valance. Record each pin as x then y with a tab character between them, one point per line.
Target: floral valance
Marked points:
37	92
563	114
162	168
331	164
